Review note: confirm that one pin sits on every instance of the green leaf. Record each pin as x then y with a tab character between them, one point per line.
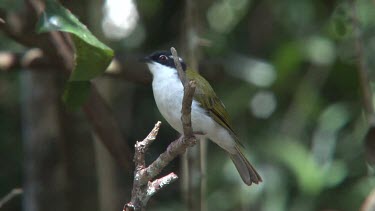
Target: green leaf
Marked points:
76	93
91	61
92	57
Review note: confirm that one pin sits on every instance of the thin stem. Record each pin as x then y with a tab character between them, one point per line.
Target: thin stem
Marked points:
363	70
13	193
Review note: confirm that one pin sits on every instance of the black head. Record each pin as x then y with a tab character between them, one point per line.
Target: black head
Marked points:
164	58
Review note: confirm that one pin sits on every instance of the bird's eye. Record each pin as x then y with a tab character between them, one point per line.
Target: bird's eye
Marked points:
163	58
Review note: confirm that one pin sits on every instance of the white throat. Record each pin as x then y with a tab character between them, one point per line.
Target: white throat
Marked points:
161	72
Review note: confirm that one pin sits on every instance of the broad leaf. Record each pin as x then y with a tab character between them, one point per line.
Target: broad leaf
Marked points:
92	57
76	93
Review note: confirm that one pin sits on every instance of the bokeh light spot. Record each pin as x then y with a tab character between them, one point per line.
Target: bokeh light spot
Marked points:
120	18
263	104
320	51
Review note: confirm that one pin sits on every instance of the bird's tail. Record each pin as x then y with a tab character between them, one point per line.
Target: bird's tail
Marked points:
247	172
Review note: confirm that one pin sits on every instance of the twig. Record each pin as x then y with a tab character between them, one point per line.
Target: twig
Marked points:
363	70
178	65
139	193
142	147
143	188
13	193
130	70
174	149
369	203
158	184
189	90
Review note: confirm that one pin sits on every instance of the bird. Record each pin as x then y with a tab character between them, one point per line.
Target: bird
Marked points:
209	117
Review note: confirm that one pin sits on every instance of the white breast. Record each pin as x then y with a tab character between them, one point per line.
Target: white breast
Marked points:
168	93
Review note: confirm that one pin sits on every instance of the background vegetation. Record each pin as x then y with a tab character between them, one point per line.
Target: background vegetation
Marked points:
287	71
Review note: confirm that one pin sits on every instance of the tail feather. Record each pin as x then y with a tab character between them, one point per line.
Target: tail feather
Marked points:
247	172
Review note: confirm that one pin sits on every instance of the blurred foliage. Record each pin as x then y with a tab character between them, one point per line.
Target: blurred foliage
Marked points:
285	71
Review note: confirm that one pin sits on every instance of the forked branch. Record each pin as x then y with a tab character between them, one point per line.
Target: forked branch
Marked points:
144	185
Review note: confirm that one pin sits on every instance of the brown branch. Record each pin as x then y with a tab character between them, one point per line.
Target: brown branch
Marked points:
364	81
189	89
130	70
143	188
174	149
178	65
106	128
20	26
369	203
158	184
33	59
142	175
363	70
57	52
139	157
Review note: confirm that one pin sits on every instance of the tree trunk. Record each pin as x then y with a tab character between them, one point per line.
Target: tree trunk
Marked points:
44	170
80	161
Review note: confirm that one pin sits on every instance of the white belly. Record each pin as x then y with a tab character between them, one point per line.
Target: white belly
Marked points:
168	95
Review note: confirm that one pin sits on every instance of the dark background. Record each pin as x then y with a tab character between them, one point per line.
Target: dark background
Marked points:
287	72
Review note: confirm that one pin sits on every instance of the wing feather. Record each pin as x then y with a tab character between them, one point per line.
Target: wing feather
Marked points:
210	102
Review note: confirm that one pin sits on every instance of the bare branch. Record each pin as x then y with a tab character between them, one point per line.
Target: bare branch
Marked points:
189	90
369	203
139	156
363	70
152	136
177	63
158	184
58	53
13	193
106	128
129	70
364	81
143	189
142	176
174	149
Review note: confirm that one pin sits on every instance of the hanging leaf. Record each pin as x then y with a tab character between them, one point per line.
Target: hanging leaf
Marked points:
76	93
92	57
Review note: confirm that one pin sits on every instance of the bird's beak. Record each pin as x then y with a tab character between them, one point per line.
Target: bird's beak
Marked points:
145	59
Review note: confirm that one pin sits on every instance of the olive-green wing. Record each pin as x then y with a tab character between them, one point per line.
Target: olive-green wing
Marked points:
209	101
